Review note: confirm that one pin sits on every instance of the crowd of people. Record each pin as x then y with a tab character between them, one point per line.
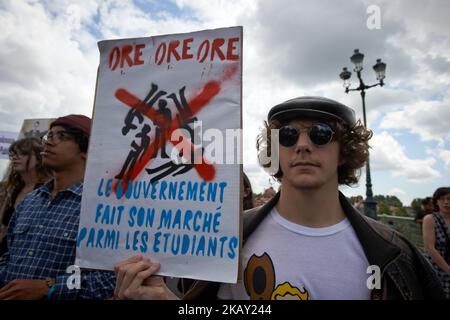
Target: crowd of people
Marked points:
321	146
42	229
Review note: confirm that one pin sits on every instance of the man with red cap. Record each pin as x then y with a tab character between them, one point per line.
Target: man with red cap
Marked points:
43	230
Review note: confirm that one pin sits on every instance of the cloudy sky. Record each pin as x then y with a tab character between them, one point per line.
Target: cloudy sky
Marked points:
49	59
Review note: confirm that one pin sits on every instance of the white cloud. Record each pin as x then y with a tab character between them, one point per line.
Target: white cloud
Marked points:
44	72
397	192
388	154
444	155
428	119
259	179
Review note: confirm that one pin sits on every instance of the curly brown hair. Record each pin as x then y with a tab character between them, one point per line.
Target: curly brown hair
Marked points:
353	141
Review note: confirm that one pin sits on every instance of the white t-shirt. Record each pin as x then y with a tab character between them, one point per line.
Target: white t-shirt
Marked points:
284	260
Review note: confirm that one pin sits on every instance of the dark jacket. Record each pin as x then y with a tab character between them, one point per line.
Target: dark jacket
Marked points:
405	273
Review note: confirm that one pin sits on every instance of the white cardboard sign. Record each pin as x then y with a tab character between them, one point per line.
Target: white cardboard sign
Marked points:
140	195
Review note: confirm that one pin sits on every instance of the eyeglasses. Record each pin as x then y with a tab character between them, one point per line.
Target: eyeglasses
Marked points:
56	137
320	134
13	155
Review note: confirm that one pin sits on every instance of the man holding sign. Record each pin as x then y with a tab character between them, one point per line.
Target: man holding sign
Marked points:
308	242
43	230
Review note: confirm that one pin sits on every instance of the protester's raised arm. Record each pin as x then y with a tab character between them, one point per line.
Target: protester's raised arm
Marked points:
135	280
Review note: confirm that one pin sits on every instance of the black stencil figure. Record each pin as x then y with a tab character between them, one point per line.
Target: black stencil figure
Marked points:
184	111
169	168
149	100
176	168
194	136
136	150
159	98
161	128
133	113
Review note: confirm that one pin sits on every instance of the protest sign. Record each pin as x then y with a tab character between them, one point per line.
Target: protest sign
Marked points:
6	139
163	175
35	127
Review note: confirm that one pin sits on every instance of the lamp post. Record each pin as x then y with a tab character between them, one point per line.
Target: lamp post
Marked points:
370	205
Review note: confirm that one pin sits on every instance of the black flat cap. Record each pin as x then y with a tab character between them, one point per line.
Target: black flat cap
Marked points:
312	107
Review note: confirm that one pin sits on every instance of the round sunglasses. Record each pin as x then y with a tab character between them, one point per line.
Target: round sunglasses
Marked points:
320	134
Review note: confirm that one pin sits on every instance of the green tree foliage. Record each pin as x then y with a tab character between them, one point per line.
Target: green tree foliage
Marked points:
401	212
416	205
388	200
383	209
391	205
352	199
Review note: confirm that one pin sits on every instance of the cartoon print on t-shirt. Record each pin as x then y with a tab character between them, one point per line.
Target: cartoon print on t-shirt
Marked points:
259	277
259	281
286	291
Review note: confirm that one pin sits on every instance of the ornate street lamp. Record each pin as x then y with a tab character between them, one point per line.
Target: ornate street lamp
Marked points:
370	205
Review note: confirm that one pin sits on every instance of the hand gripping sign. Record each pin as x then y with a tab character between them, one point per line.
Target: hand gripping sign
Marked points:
163	174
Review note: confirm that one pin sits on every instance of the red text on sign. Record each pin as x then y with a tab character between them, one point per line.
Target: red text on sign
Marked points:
129	55
222	49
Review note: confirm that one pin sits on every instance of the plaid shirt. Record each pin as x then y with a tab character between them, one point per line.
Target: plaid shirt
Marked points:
42	238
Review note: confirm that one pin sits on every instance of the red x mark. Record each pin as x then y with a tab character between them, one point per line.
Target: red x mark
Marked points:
210	90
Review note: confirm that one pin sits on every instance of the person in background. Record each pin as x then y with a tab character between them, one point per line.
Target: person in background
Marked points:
436	236
25	173
43	230
248	194
359	204
427	208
